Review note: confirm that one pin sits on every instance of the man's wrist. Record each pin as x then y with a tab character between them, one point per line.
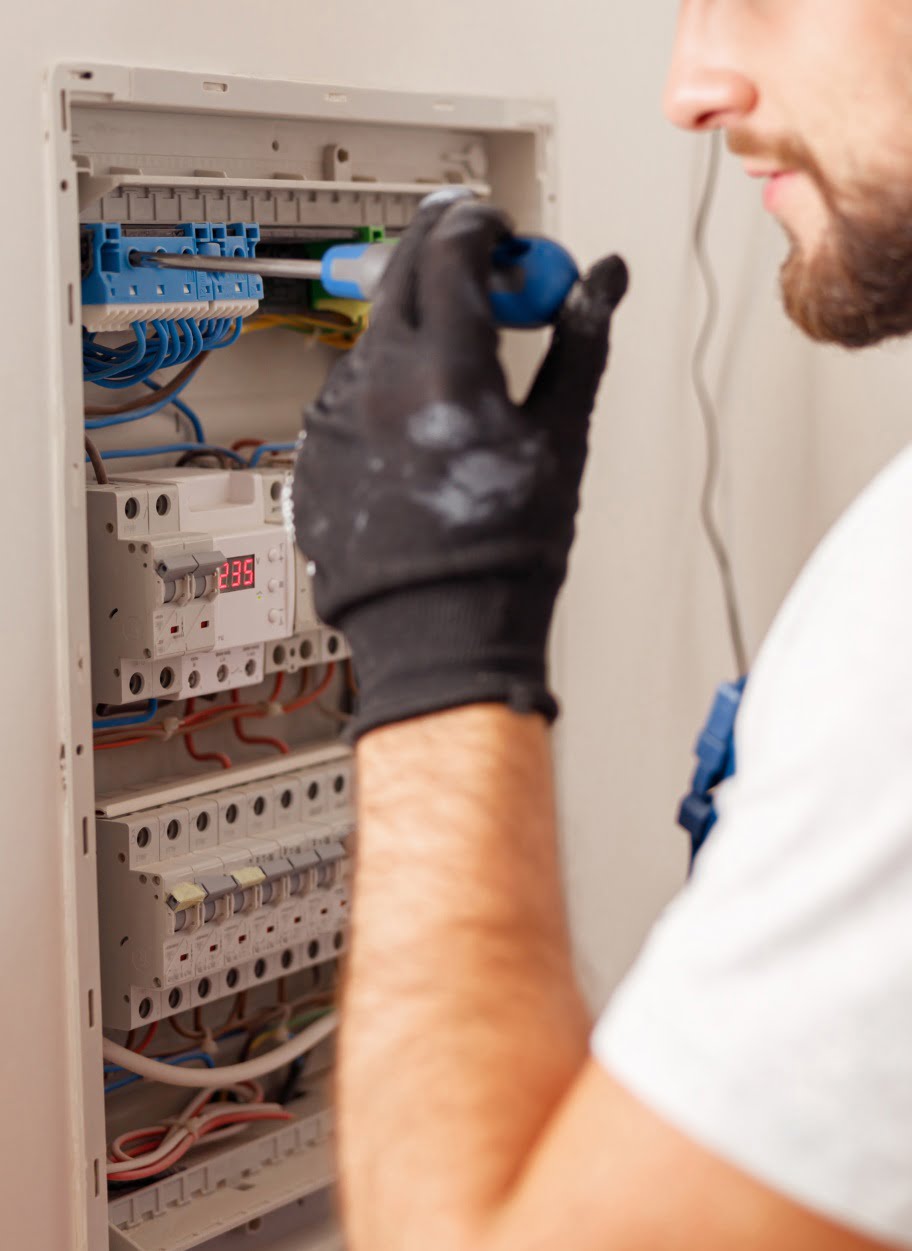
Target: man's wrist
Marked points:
452	644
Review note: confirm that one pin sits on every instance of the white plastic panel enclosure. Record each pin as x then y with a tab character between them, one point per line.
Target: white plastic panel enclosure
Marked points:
146	147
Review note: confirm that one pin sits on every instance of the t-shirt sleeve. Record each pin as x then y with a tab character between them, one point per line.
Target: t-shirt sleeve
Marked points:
770	1014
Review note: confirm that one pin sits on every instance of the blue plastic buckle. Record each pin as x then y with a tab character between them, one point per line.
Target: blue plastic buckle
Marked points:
715	752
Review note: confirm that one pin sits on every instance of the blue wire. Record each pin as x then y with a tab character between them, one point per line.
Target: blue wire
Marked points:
122	361
135	1077
232	337
121	723
181	406
169	448
154	406
270	447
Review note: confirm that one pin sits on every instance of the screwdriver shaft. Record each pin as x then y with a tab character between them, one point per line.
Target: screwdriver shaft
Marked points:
266	267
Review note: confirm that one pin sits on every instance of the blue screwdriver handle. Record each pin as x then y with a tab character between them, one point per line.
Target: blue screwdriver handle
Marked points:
530	282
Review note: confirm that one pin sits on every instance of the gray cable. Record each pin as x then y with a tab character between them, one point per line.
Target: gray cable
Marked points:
708	409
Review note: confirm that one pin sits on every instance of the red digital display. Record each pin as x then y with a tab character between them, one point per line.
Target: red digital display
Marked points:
237	574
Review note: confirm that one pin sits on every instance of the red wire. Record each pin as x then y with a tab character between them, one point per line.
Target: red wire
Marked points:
219	756
303	700
121	742
261	740
150	1034
239	444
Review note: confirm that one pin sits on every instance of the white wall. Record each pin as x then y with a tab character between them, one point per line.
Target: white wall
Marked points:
643	642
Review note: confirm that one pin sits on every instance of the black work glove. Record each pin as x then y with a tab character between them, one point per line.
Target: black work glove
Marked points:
439	513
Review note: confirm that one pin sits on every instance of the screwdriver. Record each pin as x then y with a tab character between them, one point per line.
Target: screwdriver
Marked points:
531	278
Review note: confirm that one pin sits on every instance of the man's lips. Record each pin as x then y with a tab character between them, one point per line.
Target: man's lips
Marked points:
776	182
767	171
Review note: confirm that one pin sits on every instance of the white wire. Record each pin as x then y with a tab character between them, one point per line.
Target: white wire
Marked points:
708	410
217	1078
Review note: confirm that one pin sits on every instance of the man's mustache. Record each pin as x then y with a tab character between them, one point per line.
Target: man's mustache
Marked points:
786	152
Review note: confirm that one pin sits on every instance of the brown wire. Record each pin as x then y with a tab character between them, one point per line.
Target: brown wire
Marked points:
143	401
101	474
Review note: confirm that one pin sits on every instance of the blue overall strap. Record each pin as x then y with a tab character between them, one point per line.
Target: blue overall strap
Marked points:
715	751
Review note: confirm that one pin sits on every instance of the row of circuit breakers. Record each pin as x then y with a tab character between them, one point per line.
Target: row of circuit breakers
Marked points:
208	897
197	585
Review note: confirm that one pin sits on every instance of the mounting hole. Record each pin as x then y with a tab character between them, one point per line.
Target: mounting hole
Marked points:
202	821
333	644
338	940
166	677
121	857
204	988
109	526
339	783
307	649
275	490
145	1008
231	978
163	505
313	790
174	829
64	185
193	679
136	683
313	948
256	1223
278	654
131	508
286	799
259	969
250	668
259	806
174	998
143	837
231	813
222	673
342	155
287	959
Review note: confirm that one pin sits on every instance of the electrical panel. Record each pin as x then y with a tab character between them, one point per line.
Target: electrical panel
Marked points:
215	817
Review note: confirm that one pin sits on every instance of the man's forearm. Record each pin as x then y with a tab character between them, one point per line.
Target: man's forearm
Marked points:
463	1026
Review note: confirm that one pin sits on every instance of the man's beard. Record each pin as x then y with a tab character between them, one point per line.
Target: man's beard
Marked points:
856	290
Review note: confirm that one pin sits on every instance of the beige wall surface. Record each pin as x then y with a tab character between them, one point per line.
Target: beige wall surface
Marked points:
642	641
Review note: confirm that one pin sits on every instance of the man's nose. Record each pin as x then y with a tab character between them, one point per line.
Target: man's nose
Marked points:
705	89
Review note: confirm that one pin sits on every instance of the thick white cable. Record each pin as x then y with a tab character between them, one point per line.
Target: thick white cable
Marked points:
215	1079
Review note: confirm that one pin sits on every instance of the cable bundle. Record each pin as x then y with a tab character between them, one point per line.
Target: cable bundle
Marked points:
157	345
150	1151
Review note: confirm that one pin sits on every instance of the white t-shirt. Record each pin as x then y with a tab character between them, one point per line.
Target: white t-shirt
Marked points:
770	1014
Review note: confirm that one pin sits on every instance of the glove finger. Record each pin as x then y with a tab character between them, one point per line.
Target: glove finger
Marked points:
397	296
564	391
453	301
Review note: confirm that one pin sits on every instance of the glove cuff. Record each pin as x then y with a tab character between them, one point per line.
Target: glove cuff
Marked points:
449	644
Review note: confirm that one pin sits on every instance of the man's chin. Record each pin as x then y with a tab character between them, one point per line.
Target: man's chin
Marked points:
822	300
854	287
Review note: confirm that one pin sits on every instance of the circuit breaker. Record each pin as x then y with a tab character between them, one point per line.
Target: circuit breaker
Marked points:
193	577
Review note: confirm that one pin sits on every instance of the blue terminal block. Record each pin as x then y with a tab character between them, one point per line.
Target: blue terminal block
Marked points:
116	293
238	239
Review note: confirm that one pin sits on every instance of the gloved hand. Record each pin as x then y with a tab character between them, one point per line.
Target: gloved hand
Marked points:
439	513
